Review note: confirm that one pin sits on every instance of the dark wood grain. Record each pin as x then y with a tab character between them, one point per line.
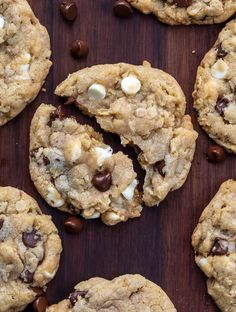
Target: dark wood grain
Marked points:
158	244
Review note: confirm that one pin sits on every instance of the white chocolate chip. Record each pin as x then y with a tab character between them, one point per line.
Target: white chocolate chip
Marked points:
24	68
20	205
140	112
130	85
96	92
2	22
72	150
112	216
95	215
102	154
54	197
128	193
202	262
219	70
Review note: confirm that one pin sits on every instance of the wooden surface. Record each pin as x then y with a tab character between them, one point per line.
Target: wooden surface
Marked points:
157	245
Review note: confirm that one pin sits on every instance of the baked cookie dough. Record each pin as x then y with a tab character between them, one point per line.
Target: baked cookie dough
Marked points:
123	294
214	95
29	249
24	57
76	172
214	242
145	107
176	12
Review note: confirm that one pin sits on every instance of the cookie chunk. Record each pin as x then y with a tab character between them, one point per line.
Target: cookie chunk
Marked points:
29	249
76	172
214	95
24	57
214	242
175	12
124	293
145	107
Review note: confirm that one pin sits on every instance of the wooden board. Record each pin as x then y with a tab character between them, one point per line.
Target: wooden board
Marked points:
157	245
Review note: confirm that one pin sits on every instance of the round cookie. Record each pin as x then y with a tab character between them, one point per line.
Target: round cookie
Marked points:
214	242
124	293
24	57
177	12
29	249
145	107
76	172
214	94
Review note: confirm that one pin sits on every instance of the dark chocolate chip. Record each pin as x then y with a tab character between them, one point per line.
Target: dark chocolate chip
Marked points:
46	161
69	10
1	223
220	247
56	114
79	49
27	277
221	53
38	291
183	3
122	8
221	104
73	297
158	166
73	225
40	304
30	239
102	180
70	100
216	154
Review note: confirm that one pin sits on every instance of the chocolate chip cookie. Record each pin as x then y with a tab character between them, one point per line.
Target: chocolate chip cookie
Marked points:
214	242
124	293
24	57
29	249
146	108
214	94
76	172
175	12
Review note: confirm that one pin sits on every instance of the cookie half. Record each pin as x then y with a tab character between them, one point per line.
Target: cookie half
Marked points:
29	249
177	12
76	172
124	293
24	57
214	94
214	242
145	107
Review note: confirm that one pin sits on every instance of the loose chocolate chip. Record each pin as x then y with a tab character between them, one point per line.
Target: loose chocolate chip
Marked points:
1	223
70	100
69	10
216	154
221	53
38	291
56	114
183	3
40	304
221	104
28	277
73	225
79	49
30	239
73	297
122	8
102	181
220	247
46	161
158	166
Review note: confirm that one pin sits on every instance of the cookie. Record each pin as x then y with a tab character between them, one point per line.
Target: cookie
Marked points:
24	57
214	242
124	293
146	108
214	94
29	249
76	172
177	12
